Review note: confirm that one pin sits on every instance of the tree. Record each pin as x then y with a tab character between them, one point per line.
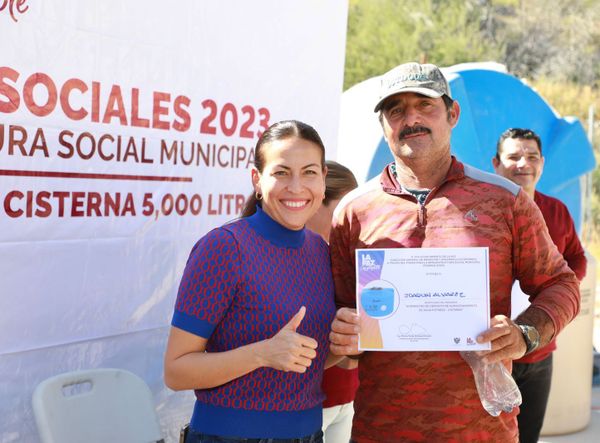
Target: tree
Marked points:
556	39
386	33
553	39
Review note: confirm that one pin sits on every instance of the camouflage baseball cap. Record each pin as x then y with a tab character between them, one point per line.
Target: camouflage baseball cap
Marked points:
413	77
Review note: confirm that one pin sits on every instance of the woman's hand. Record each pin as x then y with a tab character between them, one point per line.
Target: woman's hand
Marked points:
188	366
288	350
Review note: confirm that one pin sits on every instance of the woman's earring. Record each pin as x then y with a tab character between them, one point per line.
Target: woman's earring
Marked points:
258	196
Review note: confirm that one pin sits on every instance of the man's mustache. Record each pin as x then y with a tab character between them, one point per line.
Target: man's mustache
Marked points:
414	130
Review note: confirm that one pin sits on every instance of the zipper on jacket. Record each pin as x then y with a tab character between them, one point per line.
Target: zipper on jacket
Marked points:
421	215
421	198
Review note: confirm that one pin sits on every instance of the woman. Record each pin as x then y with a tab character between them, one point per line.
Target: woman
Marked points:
255	303
339	382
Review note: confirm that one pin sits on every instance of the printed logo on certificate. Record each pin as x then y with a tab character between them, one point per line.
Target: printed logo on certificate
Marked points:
422	299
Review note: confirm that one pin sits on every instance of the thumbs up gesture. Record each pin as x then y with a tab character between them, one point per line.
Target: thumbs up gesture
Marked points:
296	320
289	351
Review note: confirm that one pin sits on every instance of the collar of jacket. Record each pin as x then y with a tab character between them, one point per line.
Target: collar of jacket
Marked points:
390	185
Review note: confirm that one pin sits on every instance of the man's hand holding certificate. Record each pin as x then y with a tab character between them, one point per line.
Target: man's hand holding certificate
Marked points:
422	299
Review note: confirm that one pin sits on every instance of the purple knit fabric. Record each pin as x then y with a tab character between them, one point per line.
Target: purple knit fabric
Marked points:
243	282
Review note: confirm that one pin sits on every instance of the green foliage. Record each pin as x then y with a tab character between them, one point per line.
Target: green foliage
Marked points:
558	39
385	33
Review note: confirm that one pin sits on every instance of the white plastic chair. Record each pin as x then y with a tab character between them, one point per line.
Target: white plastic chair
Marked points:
95	406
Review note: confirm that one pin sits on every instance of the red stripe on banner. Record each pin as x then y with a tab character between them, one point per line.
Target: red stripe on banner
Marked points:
15	173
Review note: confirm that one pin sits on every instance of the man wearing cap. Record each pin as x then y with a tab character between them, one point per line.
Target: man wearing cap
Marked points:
519	159
426	198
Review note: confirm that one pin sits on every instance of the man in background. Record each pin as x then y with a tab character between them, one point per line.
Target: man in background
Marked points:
519	158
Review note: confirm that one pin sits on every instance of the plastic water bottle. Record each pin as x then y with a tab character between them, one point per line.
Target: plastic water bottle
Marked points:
497	389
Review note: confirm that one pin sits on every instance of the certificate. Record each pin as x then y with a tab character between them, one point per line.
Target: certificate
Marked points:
422	299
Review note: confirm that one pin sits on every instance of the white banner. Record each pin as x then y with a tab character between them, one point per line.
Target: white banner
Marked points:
127	130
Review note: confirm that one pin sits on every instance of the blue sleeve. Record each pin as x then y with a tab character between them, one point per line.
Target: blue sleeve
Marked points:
209	283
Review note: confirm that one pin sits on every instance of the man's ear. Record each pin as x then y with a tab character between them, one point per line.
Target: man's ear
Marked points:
454	113
495	163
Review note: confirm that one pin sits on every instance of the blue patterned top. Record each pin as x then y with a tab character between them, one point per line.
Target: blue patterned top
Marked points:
242	283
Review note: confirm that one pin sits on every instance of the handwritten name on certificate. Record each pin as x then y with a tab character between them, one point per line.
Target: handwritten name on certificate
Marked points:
422	299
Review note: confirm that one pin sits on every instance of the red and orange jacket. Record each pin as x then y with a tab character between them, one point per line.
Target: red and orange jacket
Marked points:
431	396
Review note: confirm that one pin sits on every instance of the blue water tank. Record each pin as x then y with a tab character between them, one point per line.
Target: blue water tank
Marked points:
491	101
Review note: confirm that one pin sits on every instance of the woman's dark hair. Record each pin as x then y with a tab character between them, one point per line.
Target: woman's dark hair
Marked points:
339	181
280	131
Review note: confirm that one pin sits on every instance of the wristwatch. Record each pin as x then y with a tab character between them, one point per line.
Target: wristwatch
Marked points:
531	336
